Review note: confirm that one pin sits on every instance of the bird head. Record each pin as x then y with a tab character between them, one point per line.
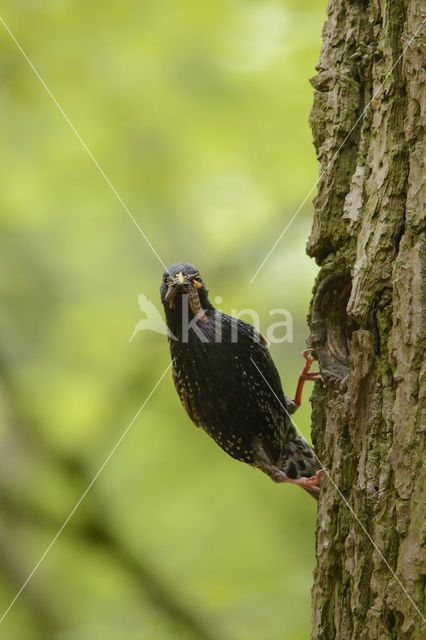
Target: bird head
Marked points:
183	278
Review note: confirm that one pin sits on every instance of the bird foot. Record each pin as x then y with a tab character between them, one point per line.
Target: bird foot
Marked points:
305	374
315	479
307	483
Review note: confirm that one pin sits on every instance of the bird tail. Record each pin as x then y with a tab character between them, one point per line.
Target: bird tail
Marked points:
298	459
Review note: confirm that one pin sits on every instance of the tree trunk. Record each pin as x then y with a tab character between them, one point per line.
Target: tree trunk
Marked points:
366	321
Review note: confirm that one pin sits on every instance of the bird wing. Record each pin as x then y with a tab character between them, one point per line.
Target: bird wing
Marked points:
253	346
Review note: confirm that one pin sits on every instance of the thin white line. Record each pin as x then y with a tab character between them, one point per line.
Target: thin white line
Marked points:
345	501
333	158
101	468
84	145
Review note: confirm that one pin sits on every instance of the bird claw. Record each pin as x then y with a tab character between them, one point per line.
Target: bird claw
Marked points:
310	375
309	361
308	483
315	478
305	375
310	487
306	354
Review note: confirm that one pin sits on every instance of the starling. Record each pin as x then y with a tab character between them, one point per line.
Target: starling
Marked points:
229	385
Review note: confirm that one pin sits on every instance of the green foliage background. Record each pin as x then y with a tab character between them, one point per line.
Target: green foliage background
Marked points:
198	114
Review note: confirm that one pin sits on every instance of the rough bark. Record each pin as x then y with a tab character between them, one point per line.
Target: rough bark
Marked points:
366	321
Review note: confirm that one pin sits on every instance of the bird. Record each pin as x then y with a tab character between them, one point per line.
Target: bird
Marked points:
229	385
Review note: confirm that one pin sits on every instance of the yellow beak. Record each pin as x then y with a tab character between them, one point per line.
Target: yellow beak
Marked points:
180	277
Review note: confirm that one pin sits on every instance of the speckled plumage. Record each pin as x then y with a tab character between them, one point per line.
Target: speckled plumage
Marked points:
219	382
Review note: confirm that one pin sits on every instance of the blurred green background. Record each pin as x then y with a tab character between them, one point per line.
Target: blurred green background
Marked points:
198	113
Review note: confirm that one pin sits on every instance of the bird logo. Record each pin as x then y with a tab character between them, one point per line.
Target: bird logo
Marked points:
152	322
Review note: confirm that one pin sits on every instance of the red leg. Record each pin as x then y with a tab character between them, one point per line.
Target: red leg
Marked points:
305	375
307	483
